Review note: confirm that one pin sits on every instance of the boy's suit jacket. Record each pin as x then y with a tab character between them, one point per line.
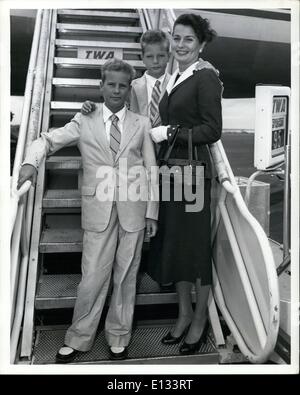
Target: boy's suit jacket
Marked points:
139	94
88	133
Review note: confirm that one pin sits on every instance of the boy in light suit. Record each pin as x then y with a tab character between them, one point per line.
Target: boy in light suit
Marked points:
148	90
113	229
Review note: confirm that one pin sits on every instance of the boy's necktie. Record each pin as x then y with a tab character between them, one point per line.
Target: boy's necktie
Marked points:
154	111
115	135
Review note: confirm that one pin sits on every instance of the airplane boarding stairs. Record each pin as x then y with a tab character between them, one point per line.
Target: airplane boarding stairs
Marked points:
79	42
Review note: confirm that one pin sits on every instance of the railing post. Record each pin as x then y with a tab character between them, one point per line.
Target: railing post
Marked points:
286	202
30	126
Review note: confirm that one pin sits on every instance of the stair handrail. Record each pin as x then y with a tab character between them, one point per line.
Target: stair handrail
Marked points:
15	196
145	19
23	204
224	171
15	228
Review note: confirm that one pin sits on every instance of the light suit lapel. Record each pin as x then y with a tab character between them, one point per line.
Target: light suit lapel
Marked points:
141	88
130	128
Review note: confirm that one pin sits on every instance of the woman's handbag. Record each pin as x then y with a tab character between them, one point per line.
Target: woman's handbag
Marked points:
188	174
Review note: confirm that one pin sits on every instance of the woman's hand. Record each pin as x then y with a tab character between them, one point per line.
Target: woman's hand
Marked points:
159	133
87	107
151	227
27	172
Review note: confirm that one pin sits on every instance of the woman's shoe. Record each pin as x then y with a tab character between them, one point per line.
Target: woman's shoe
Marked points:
170	339
191	348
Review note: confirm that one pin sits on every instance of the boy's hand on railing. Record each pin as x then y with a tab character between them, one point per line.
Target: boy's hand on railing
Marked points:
87	107
27	172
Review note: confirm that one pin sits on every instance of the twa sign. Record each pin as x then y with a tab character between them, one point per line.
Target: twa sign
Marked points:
99	53
271	125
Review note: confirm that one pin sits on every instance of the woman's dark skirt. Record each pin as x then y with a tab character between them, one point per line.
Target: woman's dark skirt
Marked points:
181	249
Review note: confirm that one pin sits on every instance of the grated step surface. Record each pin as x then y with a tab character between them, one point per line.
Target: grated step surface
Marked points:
56	291
61	240
145	348
57	198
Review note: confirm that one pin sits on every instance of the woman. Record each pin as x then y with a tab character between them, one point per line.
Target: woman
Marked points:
181	251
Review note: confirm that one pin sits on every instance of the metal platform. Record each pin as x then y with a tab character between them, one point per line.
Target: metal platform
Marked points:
145	348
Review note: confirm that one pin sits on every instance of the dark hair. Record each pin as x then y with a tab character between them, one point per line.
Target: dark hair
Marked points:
154	37
118	65
200	26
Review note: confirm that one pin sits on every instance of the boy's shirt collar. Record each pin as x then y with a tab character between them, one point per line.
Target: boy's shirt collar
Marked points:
107	113
152	80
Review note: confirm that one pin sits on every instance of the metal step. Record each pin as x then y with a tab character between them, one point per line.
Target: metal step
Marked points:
63	105
145	348
60	117
63	162
91	63
76	82
76	94
101	44
68	239
103	15
98	29
76	89
58	291
61	240
62	198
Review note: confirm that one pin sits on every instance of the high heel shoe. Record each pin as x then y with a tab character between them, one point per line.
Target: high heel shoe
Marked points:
191	348
170	339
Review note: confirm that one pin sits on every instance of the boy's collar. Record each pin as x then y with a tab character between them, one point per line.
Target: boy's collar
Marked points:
107	113
161	78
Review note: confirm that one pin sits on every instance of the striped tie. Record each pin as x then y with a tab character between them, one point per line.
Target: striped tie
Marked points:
154	111
115	135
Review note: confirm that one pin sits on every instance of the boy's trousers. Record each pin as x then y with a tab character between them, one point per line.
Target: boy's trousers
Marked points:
111	252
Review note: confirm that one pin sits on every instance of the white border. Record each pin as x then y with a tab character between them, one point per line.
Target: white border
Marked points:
5	367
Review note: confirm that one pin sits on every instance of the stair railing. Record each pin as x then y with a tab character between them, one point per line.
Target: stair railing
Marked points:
227	179
15	196
21	204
